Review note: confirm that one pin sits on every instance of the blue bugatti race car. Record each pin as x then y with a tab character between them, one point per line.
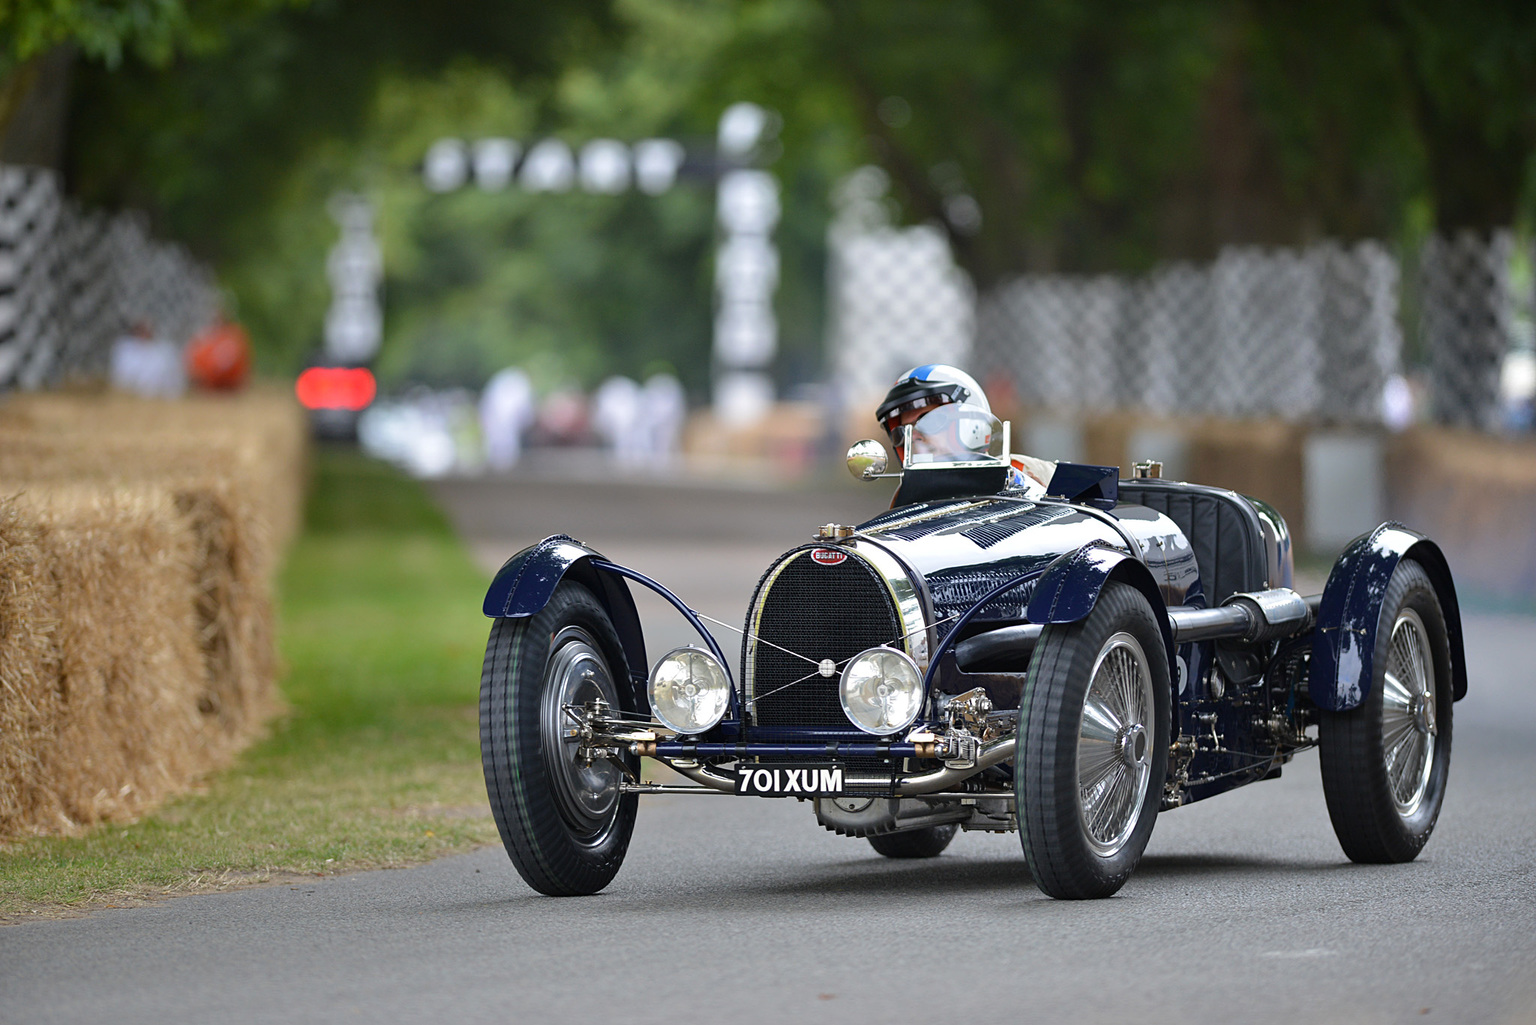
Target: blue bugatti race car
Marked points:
1063	662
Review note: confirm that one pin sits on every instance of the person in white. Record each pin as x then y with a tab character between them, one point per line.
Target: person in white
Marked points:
616	417
145	365
506	411
665	411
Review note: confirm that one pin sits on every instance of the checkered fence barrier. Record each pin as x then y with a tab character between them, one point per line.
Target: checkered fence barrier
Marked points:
1303	334
1311	333
72	280
1475	295
897	300
1295	333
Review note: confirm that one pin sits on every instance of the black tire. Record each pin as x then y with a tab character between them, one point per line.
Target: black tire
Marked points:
927	842
1082	846
1381	812
565	827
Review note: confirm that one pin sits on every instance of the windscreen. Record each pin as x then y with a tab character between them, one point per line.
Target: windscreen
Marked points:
956	433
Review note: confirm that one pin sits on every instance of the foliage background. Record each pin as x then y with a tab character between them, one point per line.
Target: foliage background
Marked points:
1043	135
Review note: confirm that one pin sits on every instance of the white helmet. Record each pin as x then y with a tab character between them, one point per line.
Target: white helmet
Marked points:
930	387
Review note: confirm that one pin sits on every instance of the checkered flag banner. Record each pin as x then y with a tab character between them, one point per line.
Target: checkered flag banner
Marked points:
73	280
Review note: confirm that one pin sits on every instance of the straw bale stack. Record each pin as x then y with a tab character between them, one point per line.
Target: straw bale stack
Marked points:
137	548
258	439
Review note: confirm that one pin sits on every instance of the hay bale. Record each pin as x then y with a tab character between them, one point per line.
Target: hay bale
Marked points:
257	442
137	553
29	666
121	728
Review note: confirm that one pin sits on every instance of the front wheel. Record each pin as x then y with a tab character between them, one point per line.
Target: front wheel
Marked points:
1385	762
1093	746
565	823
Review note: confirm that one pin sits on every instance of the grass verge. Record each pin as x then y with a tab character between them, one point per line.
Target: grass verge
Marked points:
376	763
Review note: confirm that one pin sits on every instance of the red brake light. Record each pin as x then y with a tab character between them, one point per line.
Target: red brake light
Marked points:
350	388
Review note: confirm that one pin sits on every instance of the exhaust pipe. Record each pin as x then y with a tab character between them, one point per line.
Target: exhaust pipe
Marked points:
1249	617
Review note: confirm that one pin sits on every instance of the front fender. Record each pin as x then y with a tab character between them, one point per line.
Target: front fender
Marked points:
1070	587
1344	644
526	581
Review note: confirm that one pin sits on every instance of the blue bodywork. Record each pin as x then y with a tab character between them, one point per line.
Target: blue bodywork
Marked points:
1098	486
1350	614
1070	588
1053	587
526	581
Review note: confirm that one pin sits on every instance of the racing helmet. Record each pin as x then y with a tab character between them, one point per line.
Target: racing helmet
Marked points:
949	412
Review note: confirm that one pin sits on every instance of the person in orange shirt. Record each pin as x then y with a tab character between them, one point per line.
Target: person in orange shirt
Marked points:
219	359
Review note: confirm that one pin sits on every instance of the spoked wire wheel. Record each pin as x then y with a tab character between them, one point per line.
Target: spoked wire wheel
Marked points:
1408	725
1385	762
1114	749
1093	746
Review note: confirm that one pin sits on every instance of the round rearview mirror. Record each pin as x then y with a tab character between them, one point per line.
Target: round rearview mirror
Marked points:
866	459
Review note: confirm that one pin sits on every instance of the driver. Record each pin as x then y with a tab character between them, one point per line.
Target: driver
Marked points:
951	420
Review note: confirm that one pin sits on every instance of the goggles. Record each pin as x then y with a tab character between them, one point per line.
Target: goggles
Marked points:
893	421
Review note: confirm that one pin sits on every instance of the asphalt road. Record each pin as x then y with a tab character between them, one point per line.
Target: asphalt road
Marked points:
731	909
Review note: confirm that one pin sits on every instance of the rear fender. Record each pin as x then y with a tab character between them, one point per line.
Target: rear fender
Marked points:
526	581
1349	616
1070	587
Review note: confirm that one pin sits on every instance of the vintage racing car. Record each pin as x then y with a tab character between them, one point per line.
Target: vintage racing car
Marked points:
1064	664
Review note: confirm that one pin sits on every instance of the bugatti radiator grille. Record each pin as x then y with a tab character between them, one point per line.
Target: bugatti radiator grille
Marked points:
820	612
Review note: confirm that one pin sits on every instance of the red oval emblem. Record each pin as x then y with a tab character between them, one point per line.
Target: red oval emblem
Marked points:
828	556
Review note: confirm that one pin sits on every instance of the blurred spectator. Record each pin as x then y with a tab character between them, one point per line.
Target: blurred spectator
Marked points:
386	429
219	359
616	409
562	419
146	365
1397	404
1517	390
506	411
410	433
429	434
663	412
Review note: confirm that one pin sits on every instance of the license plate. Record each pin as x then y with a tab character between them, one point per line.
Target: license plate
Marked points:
789	780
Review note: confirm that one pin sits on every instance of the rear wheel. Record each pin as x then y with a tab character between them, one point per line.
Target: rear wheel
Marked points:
1385	762
928	842
564	823
1093	746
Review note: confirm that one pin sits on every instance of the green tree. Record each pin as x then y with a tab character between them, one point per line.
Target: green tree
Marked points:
1105	135
40	41
1073	135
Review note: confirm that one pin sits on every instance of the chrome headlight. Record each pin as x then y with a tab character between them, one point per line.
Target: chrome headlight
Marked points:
882	691
689	690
